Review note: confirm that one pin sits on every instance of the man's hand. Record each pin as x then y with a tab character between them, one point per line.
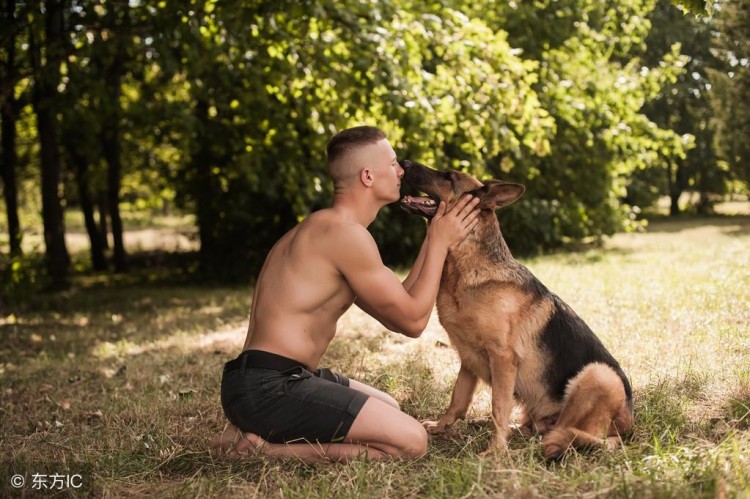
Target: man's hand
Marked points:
451	227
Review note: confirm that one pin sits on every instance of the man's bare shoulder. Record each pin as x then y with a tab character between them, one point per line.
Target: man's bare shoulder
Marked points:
336	235
328	221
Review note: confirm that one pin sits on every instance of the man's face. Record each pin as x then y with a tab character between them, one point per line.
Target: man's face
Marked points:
387	171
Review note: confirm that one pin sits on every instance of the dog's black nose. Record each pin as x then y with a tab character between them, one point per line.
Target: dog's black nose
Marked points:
405	164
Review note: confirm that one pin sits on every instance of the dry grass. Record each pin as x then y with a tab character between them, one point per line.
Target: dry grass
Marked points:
120	384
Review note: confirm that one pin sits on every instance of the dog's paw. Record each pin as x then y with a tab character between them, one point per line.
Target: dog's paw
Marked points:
554	451
435	427
557	442
612	443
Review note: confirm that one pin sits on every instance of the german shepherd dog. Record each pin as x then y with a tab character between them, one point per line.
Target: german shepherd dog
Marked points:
514	334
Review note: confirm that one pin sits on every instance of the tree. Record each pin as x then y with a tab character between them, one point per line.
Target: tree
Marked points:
684	105
80	137
46	56
594	87
264	86
731	102
8	114
111	55
226	108
79	126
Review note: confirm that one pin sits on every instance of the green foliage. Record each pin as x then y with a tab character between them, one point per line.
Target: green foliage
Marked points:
683	105
20	277
593	86
261	89
731	98
447	87
696	7
226	108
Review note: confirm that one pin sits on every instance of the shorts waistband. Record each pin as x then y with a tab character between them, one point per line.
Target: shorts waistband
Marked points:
262	360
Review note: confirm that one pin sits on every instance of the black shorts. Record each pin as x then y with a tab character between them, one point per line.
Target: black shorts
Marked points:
280	400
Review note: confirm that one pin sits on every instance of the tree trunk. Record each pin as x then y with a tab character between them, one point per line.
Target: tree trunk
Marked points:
675	189
678	187
98	261
111	136
10	156
111	146
101	203
206	215
10	190
705	204
43	97
674	202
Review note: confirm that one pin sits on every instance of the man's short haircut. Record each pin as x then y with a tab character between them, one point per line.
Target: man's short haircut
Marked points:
351	138
344	142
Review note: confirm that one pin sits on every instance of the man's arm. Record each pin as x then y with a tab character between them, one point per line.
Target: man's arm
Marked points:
417	267
378	288
407	284
380	293
372	313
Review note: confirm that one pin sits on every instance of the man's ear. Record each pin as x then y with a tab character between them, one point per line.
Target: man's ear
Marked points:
498	194
365	176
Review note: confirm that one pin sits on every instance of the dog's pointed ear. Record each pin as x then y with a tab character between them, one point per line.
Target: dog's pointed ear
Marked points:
496	194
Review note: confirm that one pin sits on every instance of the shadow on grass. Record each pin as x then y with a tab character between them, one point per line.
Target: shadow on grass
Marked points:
579	254
679	224
144	306
743	231
463	439
160	412
735	412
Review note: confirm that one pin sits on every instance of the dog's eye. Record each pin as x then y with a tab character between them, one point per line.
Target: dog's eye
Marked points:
450	175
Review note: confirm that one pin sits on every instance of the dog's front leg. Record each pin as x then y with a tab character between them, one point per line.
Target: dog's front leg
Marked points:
503	368
463	392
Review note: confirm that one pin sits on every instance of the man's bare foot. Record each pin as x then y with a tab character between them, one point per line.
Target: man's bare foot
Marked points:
232	443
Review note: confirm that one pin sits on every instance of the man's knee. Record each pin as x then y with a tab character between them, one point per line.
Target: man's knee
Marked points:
414	444
374	392
391	401
380	395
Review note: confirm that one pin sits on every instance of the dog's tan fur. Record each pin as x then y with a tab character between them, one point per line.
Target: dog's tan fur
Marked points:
494	322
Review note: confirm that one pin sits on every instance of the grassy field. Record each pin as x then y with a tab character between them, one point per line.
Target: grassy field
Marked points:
119	383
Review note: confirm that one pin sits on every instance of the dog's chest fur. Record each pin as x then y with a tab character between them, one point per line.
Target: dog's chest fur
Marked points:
486	307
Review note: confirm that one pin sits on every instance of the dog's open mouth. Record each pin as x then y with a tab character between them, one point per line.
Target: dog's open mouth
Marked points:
421	205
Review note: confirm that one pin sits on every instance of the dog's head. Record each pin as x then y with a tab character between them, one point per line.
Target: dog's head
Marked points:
449	186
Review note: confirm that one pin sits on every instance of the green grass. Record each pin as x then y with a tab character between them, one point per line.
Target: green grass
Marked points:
119	381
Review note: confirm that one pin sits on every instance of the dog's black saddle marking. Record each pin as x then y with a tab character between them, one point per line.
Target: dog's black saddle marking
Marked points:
572	346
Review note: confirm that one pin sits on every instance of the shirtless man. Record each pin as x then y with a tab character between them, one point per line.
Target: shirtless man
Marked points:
276	400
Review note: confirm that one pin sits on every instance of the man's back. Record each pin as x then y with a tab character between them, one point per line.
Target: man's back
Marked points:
300	294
